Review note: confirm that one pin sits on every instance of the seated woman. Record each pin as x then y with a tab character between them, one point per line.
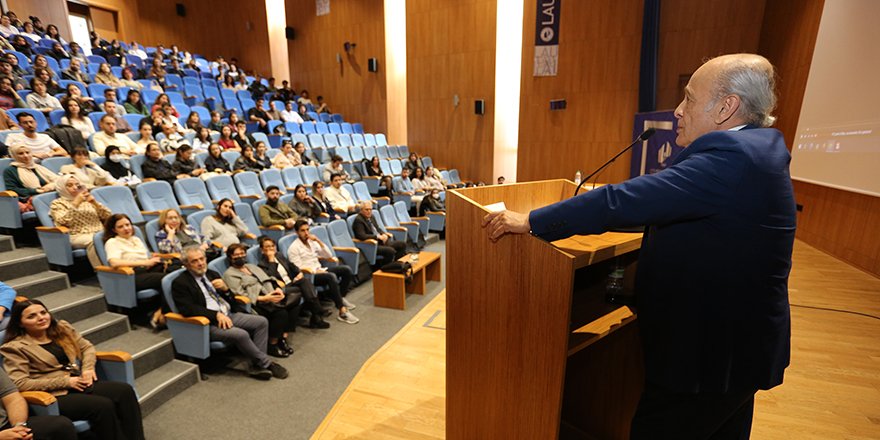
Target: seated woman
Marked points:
41	353
412	163
229	82
226	140
106	76
233	123
74	116
155	166
161	100
375	170
174	235
88	172
41	101
52	86
125	249
129	80
134	105
146	137
267	296
246	161
202	140
418	180
193	122
115	51
433	181
261	157
277	265
432	203
215	162
285	158
324	204
41	63
26	177
158	71
304	205
184	163
225	226
88	104
78	211
118	169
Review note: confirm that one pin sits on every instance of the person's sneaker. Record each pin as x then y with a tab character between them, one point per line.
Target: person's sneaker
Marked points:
348	318
278	371
348	305
259	373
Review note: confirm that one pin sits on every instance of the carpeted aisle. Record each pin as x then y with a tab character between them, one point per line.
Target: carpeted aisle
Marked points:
231	405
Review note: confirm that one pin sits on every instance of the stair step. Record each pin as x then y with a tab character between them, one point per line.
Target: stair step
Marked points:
165	382
432	238
149	351
103	327
22	262
6	243
76	303
37	285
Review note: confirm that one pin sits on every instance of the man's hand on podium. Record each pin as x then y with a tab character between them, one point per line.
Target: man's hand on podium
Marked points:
501	222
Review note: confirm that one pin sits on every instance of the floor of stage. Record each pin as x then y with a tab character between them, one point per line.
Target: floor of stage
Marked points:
831	389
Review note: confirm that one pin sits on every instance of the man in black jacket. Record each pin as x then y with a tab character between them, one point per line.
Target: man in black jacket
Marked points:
367	228
277	265
202	292
156	167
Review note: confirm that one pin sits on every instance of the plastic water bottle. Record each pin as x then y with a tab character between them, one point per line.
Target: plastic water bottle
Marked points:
414	257
577	178
614	283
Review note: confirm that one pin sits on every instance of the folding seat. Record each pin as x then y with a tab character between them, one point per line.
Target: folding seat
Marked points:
357	140
393	152
385	165
222	187
369	152
272	124
346	128
403	151
208	83
172	80
134	121
134	59
337	118
341	235
272	177
308	128
120	200
204	115
346	158
232	105
330	141
334	128
134	162
212	97
243	94
116	71
55	116
273	232
158	196
297	138
382	152
118	282
149	96
357	158
64	64
396	166
380	140
292	127
54	164
401	210
316	143
370	140
321	128
348	255
358	128
247	104
343	140
23	60
97	59
389	216
324	117
54	240
228	94
455	179
39	117
200	158
310	175
190	73
292	177
313	115
248	185
362	194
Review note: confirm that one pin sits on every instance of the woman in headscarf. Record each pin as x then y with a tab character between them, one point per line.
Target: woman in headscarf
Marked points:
117	168
26	177
78	211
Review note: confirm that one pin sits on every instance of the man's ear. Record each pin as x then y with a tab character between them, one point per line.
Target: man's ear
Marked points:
726	108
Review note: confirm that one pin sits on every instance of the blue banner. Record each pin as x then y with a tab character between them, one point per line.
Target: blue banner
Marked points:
659	151
547	37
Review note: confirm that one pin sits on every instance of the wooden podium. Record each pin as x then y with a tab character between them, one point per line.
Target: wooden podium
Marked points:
533	351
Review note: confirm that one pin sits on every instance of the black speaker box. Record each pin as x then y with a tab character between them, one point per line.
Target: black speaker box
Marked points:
480	107
373	65
181	10
289	31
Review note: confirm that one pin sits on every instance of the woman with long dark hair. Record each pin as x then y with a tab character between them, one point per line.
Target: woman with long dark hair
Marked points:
41	353
134	105
247	161
225	226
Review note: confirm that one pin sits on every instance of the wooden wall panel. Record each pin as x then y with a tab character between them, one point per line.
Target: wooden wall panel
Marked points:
599	44
693	30
105	23
349	87
451	51
211	27
56	12
49	12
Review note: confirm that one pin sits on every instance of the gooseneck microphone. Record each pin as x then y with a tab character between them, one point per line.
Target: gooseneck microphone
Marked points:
642	137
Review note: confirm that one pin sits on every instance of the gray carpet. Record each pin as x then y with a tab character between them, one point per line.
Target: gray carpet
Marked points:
230	405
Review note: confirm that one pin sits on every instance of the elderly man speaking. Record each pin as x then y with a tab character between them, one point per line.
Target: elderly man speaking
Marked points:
712	279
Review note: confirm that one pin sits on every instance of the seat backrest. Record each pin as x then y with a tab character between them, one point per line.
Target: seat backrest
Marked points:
343	153
296	138
385	166
389	217
334	128
96	119
347	187
356	153
195	219
310	175
55	116
151	229
361	192
136	162
222	187
192	191
230	156
403	151
346	128
254	255
219	265
336	117
393	151
292	128
173	79
316	140
396	167
370	140
321	128
156	196
330	141
97	89
357	140
42	203
255	207
339	235
344	140
308	128
228	94
445	175
54	164
324	236
369	152
324	117
120	201
258	136
401	212
204	114
350	221
166	289
357	127
284	243
243	94
248	183
453	176
243	210
380	139
292	177
272	177
382	152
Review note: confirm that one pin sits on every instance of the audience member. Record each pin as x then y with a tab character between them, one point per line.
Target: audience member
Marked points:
215	163
52	34
41	101
418	180
115	52
6	122
339	197
136	50
110	95
261	157
29	31
413	162
39	353
40	145
227	141
172	140
88	172
14	420
285	93
286	158
158	71
304	98
271	87
161	101
257	89
273	113
21	45
156	167
24	176
304	205
41	63
375	170
108	136
403	186
74	117
322	106
199	291
9	99
365	227
129	80
305	253
57	51
52	86
304	115
105	76
289	114
335	167
301	158
155	120
111	108
433	181
146	136
266	296
38	26
225	226
13	62
6	28
432	203
78	211
174	235
174	69
273	213
229	82
242	136
88	104
17	82
257	114
215	124
277	265
246	161
76	53
233	122
135	105
323	203
118	169
202	140
184	163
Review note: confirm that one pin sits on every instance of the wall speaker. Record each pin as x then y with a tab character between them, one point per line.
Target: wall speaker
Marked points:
557	104
480	107
289	32
373	65
181	10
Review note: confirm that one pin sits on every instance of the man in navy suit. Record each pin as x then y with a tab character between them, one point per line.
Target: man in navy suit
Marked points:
712	280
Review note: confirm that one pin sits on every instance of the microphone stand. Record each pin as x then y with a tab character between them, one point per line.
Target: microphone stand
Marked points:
642	137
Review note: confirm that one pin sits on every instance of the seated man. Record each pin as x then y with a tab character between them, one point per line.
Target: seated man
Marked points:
108	136
322	106
257	114
273	213
14	420
339	197
289	114
278	266
40	145
404	186
202	292
75	72
304	253
173	140
41	101
156	167
242	136
273	112
110	95
112	108
335	167
366	227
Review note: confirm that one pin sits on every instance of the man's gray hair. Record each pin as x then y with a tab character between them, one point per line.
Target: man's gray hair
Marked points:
187	250
755	84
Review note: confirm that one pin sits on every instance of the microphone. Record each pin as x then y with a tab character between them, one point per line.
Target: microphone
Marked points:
642	137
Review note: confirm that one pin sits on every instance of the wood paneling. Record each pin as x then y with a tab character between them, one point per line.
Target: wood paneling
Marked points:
599	43
104	22
48	11
693	30
451	51
349	87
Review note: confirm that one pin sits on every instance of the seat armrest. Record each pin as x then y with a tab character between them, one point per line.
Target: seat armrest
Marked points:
395	228
38	398
151	212
198	320
250	196
421	218
192	207
370	241
242	299
168	256
403	194
409	223
380	198
57	229
370	177
218	244
115	356
346	249
149	179
334	259
272	228
325	215
9	194
237	171
250	235
435	213
338	210
122	270
306	270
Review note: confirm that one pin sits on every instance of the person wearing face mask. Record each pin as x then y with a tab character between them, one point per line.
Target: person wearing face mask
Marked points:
77	210
118	169
268	297
433	203
88	172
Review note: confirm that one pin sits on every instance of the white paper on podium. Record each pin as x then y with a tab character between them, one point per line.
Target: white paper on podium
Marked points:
495	207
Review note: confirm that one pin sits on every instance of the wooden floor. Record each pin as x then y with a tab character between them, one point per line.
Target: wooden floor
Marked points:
831	389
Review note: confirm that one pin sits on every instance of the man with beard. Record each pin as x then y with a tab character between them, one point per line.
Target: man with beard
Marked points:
274	213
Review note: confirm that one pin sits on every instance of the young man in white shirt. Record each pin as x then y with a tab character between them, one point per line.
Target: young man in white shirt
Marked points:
289	114
305	253
40	145
108	136
339	197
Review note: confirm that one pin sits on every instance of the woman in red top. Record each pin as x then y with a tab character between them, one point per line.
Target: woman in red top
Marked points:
226	141
161	100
